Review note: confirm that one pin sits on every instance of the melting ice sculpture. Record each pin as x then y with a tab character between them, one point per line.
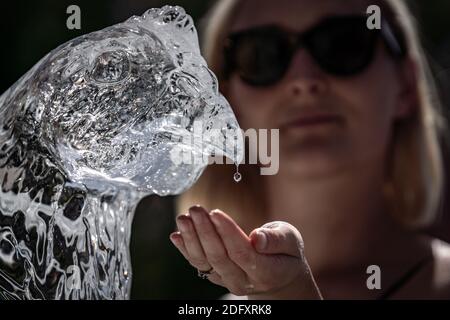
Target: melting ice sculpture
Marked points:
84	135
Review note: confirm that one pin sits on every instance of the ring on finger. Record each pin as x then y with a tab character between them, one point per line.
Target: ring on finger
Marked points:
205	274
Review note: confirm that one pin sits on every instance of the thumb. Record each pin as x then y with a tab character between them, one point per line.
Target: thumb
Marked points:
278	237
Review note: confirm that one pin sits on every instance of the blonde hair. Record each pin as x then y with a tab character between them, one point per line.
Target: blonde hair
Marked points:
414	181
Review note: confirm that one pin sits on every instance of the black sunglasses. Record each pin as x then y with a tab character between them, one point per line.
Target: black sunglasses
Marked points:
341	46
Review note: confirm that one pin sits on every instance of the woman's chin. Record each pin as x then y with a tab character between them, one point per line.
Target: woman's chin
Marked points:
312	161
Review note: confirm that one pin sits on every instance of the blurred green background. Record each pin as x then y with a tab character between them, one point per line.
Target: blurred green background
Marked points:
30	29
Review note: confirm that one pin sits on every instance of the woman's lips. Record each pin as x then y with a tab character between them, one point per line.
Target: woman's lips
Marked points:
313	120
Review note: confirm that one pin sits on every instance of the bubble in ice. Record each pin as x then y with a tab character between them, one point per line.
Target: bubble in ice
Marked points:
84	135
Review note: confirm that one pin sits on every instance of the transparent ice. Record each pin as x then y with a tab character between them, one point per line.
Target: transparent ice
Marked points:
84	135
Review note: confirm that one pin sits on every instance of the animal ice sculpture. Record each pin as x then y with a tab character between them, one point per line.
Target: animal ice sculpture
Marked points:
84	135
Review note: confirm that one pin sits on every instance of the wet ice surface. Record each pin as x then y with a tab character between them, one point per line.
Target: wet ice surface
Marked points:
84	135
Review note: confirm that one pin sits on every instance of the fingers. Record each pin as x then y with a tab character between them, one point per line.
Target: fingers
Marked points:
237	243
202	247
178	242
216	279
201	244
214	249
194	250
278	237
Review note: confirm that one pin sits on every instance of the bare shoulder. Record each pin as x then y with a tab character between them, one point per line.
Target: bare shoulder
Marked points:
441	272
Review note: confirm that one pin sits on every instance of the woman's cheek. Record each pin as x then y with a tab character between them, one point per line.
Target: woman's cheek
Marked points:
251	106
365	106
375	126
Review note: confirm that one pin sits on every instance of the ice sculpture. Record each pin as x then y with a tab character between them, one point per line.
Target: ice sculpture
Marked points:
84	135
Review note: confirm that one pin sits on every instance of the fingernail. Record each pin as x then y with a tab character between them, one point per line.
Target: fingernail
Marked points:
215	218
182	224
261	242
173	239
196	215
196	208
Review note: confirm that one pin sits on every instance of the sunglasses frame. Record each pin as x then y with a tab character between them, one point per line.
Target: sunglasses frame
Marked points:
393	40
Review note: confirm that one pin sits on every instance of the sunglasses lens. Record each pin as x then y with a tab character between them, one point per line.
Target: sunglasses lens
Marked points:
342	46
261	57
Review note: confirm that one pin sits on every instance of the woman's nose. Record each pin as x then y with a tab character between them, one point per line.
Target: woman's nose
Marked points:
304	76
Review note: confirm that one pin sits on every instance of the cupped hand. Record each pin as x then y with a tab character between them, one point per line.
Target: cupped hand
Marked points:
267	264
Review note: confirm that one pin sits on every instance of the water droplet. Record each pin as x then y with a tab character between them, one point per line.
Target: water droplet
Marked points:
237	175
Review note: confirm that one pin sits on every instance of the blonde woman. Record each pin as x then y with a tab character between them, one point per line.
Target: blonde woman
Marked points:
360	167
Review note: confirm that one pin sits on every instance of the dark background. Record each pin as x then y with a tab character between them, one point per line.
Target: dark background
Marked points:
30	29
